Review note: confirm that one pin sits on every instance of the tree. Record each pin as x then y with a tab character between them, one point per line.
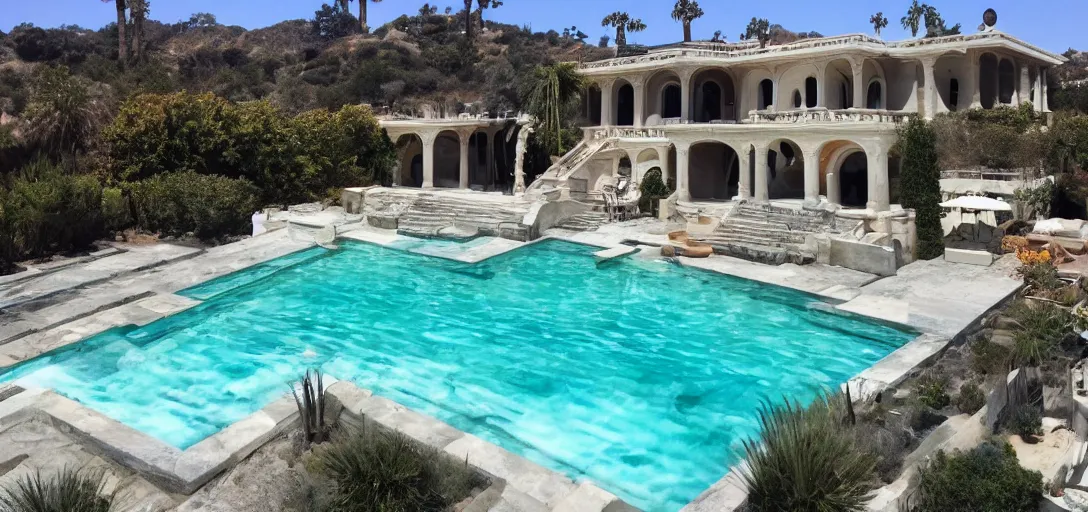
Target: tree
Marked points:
362	14
122	21
482	5
760	29
427	10
603	42
935	26
550	94
468	19
623	24
139	10
62	115
332	22
879	22
913	19
920	186
717	37
686	11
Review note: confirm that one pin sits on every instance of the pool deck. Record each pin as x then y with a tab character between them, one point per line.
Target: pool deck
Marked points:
51	308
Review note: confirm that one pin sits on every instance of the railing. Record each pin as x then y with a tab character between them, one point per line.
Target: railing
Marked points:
622	132
823	115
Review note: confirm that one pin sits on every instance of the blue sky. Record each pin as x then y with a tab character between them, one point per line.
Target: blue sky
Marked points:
1052	24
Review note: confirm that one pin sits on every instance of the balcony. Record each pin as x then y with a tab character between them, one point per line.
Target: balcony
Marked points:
823	115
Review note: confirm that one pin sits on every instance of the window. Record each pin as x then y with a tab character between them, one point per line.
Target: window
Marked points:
796	98
811	92
1005	81
670	102
874	96
766	94
953	94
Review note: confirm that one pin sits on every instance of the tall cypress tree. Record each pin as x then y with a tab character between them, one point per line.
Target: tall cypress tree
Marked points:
920	186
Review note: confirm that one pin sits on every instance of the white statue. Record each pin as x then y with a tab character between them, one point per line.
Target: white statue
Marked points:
519	158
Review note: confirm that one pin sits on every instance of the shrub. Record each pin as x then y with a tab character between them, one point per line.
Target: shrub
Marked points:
311	407
970	399
49	211
987	479
920	185
1041	328
1038	274
806	460
653	189
116	215
67	491
186	202
931	393
377	470
989	357
1026	422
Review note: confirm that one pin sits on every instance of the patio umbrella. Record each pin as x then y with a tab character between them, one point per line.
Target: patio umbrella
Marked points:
978	203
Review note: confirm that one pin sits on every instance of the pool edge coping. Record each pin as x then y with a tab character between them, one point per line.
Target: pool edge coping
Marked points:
187	471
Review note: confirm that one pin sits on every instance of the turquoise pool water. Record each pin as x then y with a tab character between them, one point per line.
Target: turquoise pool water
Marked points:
641	376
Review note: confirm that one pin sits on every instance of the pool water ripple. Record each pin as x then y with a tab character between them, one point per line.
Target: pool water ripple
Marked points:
639	375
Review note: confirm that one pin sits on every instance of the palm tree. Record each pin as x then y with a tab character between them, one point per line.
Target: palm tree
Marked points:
62	115
879	22
362	13
686	11
139	10
482	5
122	48
550	93
623	24
913	19
468	19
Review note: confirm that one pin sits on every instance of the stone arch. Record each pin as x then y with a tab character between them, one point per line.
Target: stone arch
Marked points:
987	80
874	94
656	101
624	110
785	170
839	84
713	96
644	161
1006	81
713	170
758	91
409	160
844	173
949	70
796	79
593	104
447	159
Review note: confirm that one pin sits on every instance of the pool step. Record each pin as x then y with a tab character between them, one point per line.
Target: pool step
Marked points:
427	214
768	234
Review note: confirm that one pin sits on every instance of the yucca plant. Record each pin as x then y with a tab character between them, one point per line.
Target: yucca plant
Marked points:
67	491
311	407
373	469
806	459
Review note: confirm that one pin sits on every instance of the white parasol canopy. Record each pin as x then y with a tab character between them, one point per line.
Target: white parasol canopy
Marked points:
978	203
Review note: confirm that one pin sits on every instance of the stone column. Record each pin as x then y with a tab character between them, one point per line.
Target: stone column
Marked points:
879	191
820	89
930	87
663	161
639	86
489	156
428	158
466	137
833	187
519	158
1045	93
761	194
976	80
683	193
1037	98
857	67
685	96
606	102
616	165
812	177
744	181
1025	84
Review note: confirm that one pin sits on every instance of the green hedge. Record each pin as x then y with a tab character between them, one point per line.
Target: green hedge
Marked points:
209	207
45	211
987	479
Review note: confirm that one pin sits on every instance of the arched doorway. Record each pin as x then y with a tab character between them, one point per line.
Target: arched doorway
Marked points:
1006	76
710	108
786	170
409	161
839	83
953	94
671	102
713	171
854	180
447	160
987	80
766	94
713	96
812	89
874	96
593	105
625	105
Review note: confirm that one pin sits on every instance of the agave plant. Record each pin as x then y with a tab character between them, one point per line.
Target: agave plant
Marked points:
311	407
67	491
806	459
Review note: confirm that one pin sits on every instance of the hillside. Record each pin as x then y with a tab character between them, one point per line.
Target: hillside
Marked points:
410	61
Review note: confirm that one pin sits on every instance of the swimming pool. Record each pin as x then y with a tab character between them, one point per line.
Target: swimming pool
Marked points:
639	375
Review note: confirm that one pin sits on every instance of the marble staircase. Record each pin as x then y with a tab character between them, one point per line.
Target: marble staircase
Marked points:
419	213
768	234
585	221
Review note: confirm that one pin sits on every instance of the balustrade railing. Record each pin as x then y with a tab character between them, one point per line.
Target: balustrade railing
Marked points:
823	115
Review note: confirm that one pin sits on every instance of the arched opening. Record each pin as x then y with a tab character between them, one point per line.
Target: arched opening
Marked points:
648	159
786	171
838	80
874	97
987	80
447	160
854	180
713	171
480	175
625	167
625	105
953	94
766	94
409	161
593	105
670	102
713	96
710	108
811	92
796	99
1006	73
